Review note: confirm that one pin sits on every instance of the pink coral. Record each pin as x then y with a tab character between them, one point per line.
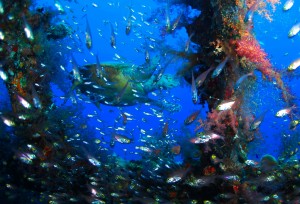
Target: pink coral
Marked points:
223	122
273	1
250	3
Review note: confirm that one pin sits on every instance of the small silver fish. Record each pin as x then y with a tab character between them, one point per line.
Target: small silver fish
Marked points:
178	175
24	103
3	75
128	26
8	121
294	30
241	79
168	22
176	22
194	90
249	15
188	42
59	7
27	30
288	5
112	37
129	22
219	68
36	100
99	69
201	78
75	70
256	123
88	36
147	56
294	65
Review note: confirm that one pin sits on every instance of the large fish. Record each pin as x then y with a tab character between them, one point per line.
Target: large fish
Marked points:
121	84
111	87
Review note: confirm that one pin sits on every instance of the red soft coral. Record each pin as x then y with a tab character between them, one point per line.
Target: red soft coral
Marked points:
249	48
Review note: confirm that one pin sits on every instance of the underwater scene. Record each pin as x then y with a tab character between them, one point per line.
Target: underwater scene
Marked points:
149	102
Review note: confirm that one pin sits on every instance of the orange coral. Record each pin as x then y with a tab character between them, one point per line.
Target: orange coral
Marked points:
17	83
262	6
209	170
273	2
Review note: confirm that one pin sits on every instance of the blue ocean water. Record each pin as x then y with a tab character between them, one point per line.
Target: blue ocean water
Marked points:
145	124
131	49
281	50
272	36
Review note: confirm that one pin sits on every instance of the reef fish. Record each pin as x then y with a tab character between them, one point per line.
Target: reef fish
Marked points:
294	30
144	149
122	84
241	79
7	121
129	22
194	90
75	70
288	5
147	56
112	37
249	15
294	124
294	65
28	30
176	22
24	103
205	137
225	105
36	100
188	42
88	35
256	123
201	78
178	175
165	129
122	139
3	75
168	21
191	118
176	149
219	68
284	112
